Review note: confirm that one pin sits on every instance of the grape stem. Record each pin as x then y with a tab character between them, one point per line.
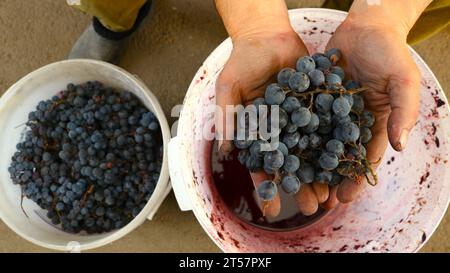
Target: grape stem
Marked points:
328	91
277	177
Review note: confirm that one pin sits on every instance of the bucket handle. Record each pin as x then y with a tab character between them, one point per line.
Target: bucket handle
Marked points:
176	174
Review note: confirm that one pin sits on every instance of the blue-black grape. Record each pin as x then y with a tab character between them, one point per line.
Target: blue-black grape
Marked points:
316	77
334	54
267	190
367	119
333	81
273	160
299	82
365	135
306	64
306	173
291	163
328	161
301	117
303	142
349	132
314	140
322	62
358	103
291	139
324	102
290	184
290	104
335	146
341	107
338	71
274	94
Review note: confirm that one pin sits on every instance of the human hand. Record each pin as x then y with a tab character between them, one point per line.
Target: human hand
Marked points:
255	59
375	53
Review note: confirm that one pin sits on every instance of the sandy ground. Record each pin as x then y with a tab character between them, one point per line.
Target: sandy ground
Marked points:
165	53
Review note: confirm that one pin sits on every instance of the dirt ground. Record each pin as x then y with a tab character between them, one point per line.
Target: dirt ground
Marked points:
165	53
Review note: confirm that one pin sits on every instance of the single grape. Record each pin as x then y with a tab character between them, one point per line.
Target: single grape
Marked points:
291	163
290	128
336	120
358	152
284	75
324	118
316	77
324	102
337	133
367	118
341	107
303	142
305	64
334	54
282	148
324	176
274	94
313	124
365	135
306	173
290	104
267	190
338	71
314	140
253	163
350	85
358	103
301	117
333	81
350	132
290	139
299	82
273	160
335	146
322	62
290	184
328	161
283	118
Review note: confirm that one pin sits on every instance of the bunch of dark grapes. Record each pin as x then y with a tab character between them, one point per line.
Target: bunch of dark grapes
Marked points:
323	124
91	157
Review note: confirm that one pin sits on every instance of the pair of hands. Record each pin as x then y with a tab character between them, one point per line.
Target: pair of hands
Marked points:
374	54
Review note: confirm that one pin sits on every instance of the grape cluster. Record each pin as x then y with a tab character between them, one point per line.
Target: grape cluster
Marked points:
91	157
324	128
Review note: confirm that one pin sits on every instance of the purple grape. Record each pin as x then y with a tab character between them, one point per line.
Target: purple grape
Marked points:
267	190
324	102
274	94
341	107
291	163
299	82
301	117
316	77
284	75
290	184
328	161
305	64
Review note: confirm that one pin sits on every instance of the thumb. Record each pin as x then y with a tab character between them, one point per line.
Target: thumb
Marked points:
404	95
227	95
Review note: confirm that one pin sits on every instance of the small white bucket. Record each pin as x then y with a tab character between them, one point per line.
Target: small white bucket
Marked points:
23	98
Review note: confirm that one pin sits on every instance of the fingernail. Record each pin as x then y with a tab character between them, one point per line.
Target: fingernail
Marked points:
402	140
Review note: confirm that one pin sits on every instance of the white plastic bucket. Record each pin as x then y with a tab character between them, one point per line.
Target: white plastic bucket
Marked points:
15	105
398	215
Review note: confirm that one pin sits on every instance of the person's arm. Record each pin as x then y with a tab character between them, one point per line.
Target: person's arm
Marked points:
249	17
392	14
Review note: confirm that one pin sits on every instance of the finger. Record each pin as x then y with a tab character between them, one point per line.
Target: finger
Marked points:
227	95
271	208
350	189
404	96
306	200
332	200
321	191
